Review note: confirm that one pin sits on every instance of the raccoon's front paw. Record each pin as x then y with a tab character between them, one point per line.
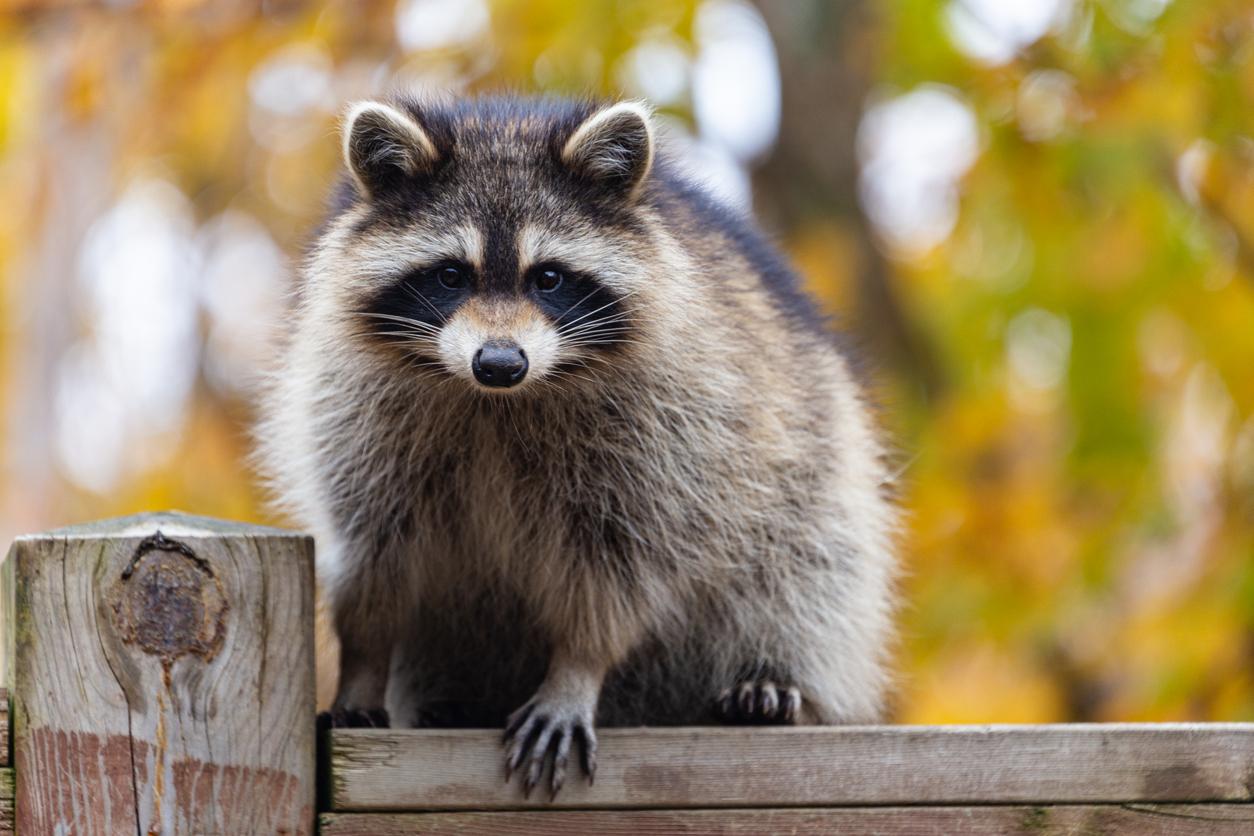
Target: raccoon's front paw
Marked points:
540	734
759	702
353	718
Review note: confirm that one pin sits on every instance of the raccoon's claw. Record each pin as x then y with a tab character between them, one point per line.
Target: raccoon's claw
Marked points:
759	702
353	718
539	736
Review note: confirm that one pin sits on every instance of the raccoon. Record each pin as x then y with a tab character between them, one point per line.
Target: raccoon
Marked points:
576	447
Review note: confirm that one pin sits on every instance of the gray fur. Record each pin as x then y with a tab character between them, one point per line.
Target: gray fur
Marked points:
698	505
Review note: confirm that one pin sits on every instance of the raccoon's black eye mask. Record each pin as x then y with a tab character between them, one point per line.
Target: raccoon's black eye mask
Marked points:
417	305
420	302
583	310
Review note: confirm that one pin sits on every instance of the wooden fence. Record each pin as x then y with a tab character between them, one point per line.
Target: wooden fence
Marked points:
160	670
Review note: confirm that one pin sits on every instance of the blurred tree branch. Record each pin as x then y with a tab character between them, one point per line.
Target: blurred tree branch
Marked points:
826	62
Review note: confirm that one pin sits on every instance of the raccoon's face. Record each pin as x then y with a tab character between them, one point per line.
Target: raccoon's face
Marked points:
501	244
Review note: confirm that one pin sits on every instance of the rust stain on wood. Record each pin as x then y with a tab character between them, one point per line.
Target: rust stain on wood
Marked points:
171	607
158	786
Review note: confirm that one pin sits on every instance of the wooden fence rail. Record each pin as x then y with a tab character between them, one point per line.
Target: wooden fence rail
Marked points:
1102	778
160	670
807	767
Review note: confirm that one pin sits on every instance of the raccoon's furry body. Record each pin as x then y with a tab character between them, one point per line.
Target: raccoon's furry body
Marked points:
682	496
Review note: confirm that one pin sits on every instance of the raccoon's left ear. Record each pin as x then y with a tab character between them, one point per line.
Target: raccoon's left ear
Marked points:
614	146
384	145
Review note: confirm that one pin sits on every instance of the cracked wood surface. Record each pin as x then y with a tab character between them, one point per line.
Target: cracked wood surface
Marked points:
6	775
6	802
1141	820
381	770
162	683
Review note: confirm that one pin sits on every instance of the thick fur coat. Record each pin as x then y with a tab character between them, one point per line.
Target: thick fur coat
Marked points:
675	515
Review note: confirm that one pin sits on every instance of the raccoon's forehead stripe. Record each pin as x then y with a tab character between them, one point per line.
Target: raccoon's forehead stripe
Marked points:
393	254
499	271
585	252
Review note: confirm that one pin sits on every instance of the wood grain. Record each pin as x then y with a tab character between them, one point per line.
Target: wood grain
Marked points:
1147	820
4	724
6	802
778	767
163	690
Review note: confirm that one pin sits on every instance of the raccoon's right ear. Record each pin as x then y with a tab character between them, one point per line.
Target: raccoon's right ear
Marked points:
383	146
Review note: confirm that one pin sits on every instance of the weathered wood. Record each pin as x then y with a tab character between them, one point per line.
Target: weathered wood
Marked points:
6	802
4	724
162	684
1109	820
776	767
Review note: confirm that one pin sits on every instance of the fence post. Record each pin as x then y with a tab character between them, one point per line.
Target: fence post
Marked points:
161	669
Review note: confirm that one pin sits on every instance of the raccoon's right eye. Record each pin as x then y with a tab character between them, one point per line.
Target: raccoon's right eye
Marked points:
453	278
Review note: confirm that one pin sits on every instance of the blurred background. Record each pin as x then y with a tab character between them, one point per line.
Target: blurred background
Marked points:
1037	217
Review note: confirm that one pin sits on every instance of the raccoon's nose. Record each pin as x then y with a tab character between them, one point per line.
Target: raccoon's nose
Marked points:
499	364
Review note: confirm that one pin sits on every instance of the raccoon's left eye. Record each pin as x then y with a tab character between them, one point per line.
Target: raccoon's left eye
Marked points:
549	279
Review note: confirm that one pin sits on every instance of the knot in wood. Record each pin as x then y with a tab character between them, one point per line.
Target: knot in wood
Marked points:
169	603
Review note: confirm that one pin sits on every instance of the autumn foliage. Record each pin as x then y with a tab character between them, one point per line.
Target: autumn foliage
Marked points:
1042	238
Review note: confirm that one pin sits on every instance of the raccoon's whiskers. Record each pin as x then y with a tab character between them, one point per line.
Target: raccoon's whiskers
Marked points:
425	358
596	332
609	328
591	325
417	295
593	337
412	335
418	361
599	342
577	304
404	320
595	324
563	373
627	295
